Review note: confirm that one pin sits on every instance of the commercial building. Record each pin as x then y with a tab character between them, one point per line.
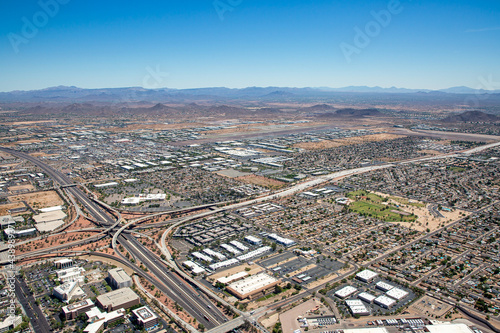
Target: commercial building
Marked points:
67	291
448	328
232	278
366	276
10	323
253	240
239	245
253	286
397	294
281	240
63	263
146	318
368	298
357	307
254	253
74	310
72	274
385	302
345	292
366	330
384	286
6	221
119	279
121	298
100	320
194	267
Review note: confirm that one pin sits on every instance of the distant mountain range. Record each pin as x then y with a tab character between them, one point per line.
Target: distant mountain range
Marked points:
137	94
472	117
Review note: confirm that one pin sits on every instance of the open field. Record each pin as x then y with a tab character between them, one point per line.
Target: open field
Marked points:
370	204
41	199
325	144
262	181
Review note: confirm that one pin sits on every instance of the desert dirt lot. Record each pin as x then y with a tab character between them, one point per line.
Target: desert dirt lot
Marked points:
325	144
4	209
42	199
261	181
18	188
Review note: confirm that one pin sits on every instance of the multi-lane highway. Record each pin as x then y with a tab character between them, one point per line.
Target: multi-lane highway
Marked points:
194	302
197	306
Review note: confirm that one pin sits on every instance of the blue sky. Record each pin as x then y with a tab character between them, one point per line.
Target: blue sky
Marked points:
90	44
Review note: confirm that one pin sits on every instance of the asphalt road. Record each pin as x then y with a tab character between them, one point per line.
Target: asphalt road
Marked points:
35	314
174	287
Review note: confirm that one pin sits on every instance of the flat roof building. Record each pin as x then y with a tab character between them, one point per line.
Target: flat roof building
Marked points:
366	276
366	330
253	286
74	310
10	323
368	298
67	291
345	292
397	293
119	279
232	278
385	302
63	263
72	274
121	298
448	328
357	307
253	240
146	318
384	286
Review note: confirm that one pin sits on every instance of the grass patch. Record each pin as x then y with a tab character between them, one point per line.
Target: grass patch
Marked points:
369	204
456	169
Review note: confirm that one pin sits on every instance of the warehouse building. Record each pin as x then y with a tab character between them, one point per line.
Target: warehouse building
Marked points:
397	294
384	286
146	318
121	298
357	307
253	286
345	292
366	276
385	302
74	310
119	279
366	297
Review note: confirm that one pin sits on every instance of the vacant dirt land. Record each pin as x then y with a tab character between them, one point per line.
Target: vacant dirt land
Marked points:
19	188
261	181
4	209
41	199
325	144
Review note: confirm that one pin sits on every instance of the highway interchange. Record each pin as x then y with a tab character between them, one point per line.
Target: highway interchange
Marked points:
175	285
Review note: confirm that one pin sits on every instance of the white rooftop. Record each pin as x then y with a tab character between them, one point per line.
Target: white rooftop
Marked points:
252	283
384	286
384	300
346	291
397	293
449	328
366	275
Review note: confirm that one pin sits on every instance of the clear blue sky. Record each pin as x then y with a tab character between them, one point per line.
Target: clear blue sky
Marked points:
93	44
